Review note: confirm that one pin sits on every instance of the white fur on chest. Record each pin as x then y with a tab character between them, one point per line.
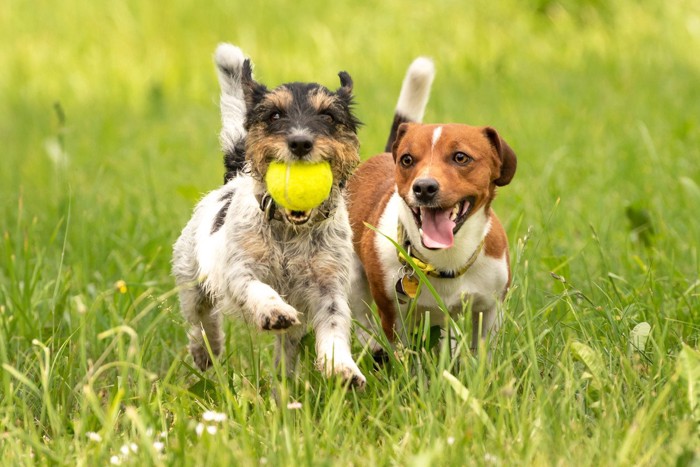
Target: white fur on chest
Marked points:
290	254
483	283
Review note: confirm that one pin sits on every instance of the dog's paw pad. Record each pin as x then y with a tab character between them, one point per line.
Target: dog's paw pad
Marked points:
358	381
279	318
353	378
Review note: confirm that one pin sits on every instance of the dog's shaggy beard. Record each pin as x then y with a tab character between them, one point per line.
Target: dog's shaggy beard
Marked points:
262	149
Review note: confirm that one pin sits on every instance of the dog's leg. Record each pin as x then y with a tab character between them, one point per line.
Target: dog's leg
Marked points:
204	321
262	305
365	332
331	322
360	301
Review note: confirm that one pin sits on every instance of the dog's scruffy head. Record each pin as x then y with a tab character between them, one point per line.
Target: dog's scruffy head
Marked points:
300	122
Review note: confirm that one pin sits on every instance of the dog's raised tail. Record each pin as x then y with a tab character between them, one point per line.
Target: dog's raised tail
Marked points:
414	95
229	61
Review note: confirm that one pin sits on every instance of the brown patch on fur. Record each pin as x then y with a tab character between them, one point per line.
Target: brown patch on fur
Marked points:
261	149
280	97
342	152
255	248
496	243
369	191
320	100
325	270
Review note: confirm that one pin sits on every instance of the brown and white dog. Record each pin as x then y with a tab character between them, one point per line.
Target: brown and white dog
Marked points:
432	194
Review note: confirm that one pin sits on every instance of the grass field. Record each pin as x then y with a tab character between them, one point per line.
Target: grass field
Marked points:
109	121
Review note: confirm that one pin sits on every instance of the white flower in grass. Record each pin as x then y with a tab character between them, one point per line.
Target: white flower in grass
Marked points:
158	446
211	416
210	419
92	436
294	405
115	460
451	440
124	449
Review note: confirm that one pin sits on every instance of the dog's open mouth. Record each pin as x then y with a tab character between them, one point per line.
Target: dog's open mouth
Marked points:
297	217
438	226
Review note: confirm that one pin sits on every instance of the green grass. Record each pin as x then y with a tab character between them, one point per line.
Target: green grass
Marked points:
109	122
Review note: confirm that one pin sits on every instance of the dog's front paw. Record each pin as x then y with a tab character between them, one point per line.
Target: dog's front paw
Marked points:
201	356
278	317
348	372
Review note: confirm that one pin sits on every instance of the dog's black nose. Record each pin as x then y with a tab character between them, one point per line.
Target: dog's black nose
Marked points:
425	189
300	145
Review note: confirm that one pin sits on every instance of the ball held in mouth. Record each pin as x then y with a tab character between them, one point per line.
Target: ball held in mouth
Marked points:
299	186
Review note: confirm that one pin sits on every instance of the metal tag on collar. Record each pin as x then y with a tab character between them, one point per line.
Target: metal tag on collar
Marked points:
401	294
267	205
408	286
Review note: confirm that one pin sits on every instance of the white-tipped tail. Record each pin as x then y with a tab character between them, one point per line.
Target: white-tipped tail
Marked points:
415	90
229	66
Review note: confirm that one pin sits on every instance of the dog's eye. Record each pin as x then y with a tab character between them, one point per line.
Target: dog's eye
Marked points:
274	116
327	117
406	160
461	158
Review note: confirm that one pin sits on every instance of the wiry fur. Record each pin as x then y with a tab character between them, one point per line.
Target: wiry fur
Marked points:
276	273
229	66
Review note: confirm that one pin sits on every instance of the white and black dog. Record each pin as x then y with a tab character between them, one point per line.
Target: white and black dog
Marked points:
241	254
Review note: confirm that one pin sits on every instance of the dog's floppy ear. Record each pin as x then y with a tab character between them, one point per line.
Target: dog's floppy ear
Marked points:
509	161
400	133
252	90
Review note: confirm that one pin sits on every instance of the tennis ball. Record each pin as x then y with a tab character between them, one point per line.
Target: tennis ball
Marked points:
299	186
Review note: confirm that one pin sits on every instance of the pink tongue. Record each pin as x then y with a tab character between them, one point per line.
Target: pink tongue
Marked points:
437	228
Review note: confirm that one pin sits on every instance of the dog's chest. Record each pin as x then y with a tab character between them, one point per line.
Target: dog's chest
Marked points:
296	261
479	288
481	284
247	244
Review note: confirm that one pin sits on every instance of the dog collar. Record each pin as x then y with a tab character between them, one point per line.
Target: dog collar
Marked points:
272	211
427	268
269	207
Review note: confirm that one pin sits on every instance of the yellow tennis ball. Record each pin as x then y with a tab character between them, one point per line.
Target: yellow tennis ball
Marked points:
299	186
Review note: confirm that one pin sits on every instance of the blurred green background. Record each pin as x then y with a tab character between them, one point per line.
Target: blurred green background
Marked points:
109	128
